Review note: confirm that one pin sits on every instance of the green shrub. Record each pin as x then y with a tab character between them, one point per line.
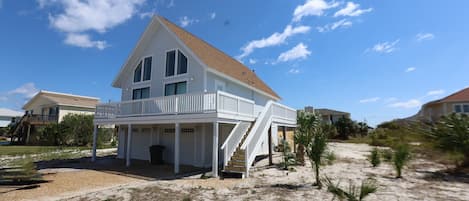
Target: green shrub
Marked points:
374	157
400	159
330	157
288	156
451	134
387	155
353	192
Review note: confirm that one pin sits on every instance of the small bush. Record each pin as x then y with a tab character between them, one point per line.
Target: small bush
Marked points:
288	156
330	157
353	192
374	157
387	155
400	159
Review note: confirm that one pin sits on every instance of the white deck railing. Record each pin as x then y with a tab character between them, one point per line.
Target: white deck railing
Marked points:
178	104
233	140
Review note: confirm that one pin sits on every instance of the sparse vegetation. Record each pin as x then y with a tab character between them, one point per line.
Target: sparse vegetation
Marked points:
307	123
375	157
400	159
353	192
452	134
287	155
315	151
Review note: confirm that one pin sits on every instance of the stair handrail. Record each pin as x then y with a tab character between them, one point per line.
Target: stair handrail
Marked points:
233	140
253	139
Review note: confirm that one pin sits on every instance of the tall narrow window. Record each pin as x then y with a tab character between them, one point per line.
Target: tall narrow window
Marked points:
175	88
466	108
182	63
457	108
170	63
147	69
138	73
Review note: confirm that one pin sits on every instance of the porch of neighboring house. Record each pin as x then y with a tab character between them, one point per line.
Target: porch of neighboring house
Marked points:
24	128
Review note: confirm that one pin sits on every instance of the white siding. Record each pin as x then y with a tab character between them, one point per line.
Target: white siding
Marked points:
157	47
236	89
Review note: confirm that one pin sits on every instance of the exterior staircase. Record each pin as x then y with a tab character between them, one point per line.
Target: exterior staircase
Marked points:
237	162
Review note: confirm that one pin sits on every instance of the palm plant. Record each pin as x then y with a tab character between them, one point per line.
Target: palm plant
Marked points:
307	123
452	134
374	157
288	157
400	159
315	150
353	192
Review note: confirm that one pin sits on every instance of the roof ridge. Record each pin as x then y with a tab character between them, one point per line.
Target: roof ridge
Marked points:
249	77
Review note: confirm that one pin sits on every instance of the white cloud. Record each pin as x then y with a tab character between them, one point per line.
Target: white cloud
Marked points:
424	36
410	69
84	41
147	15
370	100
385	47
10	112
344	23
213	15
413	103
28	90
312	8
252	61
273	40
300	51
294	71
186	21
171	4
352	10
391	99
77	17
436	92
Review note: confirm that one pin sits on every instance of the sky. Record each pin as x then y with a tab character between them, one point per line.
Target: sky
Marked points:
378	60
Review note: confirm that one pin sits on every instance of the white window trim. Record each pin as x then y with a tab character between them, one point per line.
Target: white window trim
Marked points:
462	108
139	87
175	63
142	59
176	81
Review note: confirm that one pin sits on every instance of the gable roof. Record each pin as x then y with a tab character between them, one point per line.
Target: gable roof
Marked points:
64	99
212	57
460	96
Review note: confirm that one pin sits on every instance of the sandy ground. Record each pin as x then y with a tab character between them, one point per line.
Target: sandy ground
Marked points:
421	182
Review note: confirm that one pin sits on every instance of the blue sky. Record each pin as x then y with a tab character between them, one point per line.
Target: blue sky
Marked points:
379	60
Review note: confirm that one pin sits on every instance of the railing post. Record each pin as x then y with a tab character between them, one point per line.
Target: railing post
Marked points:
238	105
143	110
176	106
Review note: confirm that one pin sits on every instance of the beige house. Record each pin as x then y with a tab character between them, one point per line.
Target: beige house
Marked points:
455	103
54	106
48	107
328	116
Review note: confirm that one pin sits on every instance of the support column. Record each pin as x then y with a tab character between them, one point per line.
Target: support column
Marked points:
215	150
270	146
95	138
284	133
129	143
28	134
177	133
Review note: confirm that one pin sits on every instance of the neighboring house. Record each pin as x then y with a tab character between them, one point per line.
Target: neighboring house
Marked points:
328	116
48	107
455	103
206	108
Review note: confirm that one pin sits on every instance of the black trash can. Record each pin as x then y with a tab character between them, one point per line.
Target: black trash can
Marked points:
156	154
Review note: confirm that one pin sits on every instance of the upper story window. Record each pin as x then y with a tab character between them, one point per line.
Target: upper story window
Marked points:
461	108
175	88
144	75
176	64
141	93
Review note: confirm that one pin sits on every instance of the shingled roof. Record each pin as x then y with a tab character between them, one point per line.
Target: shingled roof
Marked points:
460	96
65	99
218	60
